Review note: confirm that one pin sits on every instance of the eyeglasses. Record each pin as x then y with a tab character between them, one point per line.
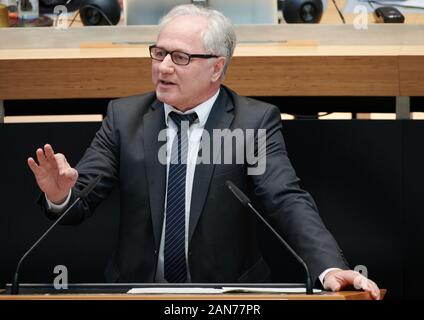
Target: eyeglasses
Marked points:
178	57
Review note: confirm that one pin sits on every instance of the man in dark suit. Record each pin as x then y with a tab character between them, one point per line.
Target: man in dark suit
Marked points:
179	222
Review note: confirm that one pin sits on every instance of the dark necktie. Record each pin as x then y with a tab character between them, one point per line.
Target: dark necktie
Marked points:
174	255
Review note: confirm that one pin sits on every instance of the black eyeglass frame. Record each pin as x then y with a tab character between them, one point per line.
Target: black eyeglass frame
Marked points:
190	56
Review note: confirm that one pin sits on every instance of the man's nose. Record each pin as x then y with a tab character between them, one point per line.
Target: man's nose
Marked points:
167	65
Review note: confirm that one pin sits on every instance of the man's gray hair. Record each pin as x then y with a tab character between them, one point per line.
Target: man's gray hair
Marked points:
219	39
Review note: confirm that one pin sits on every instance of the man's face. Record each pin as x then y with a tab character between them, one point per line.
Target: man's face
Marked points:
185	87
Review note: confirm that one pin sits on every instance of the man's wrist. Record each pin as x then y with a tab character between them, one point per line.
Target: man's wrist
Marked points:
325	273
57	207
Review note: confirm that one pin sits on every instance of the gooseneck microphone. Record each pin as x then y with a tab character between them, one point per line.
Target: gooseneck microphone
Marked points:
84	193
247	203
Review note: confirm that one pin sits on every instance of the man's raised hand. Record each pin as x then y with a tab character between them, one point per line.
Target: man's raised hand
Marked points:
54	176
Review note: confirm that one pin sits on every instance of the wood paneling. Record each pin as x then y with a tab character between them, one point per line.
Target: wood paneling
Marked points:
411	75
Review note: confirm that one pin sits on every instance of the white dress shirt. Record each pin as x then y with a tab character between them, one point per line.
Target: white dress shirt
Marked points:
194	135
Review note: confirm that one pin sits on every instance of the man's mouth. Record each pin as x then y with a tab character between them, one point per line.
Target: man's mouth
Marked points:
166	83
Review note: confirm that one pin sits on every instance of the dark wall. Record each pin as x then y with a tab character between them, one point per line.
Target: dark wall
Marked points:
413	208
298	106
354	171
364	175
83	249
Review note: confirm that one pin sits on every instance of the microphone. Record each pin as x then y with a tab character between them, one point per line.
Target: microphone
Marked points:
100	12
245	201
83	194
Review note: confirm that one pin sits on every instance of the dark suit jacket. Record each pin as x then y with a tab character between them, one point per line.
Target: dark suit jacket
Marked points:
222	234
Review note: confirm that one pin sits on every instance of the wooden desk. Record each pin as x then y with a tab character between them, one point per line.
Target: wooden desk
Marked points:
345	295
316	60
270	60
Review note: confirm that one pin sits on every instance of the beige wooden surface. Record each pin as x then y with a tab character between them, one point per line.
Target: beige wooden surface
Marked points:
262	71
344	295
282	60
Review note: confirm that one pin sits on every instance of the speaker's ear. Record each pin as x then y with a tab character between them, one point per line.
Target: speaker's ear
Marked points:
302	11
100	12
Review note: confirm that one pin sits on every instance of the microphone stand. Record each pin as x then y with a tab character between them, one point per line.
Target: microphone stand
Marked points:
247	203
84	193
309	286
15	283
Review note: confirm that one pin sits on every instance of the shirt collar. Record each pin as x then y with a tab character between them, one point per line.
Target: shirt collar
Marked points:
202	109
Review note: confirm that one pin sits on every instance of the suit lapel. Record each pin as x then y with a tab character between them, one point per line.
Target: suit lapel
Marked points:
220	117
154	122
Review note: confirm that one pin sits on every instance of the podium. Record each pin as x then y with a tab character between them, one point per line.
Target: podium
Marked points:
119	292
344	295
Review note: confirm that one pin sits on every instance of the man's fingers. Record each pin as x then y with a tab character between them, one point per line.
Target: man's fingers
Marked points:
33	165
61	163
48	151
41	158
337	280
50	156
71	174
361	282
375	291
64	169
332	284
358	281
